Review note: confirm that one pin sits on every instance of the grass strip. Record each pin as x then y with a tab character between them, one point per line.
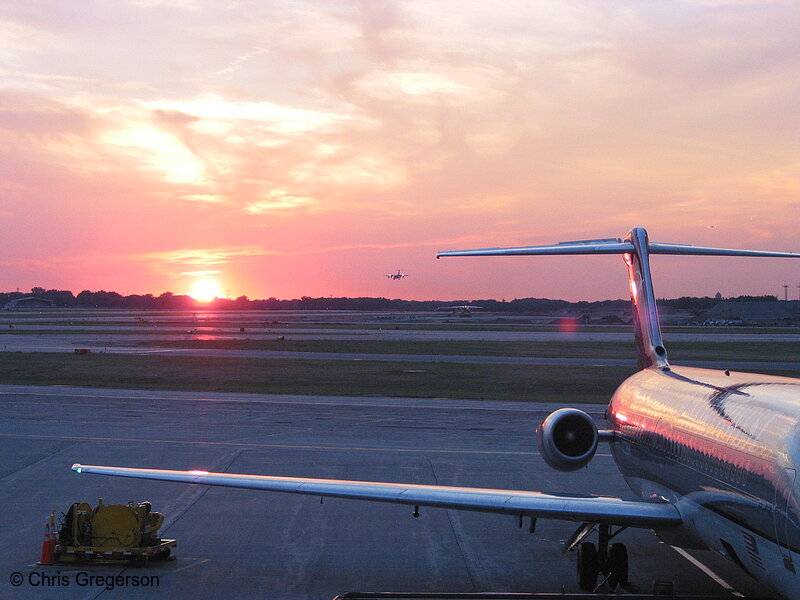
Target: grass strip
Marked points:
315	377
678	351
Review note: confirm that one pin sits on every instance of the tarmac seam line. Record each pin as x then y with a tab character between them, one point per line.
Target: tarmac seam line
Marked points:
707	571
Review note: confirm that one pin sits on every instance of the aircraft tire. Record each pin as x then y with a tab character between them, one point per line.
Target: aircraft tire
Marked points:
617	565
138	561
588	566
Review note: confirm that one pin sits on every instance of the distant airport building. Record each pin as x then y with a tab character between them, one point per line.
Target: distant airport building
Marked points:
755	313
29	302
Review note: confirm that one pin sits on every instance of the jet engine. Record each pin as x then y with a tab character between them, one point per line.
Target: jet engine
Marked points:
567	439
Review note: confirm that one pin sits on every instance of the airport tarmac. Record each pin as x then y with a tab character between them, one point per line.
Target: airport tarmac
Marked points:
245	544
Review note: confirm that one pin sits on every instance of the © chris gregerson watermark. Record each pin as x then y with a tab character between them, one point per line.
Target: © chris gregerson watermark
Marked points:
40	579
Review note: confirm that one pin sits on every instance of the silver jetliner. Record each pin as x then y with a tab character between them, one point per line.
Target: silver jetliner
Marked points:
713	455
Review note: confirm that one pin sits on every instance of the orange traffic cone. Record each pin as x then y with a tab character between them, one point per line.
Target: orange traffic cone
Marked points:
47	548
53	535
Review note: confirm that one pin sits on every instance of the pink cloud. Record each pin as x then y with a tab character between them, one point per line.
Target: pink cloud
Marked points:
341	141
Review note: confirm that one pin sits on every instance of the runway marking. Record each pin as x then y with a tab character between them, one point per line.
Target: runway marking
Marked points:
200	561
139	441
707	571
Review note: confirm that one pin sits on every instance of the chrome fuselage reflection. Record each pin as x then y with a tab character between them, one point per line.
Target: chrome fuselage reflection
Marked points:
725	449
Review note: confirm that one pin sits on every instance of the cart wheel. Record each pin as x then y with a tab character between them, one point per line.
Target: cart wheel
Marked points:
138	561
163	555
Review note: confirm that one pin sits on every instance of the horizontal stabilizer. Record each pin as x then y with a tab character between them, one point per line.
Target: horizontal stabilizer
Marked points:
613	246
683	249
615	511
588	247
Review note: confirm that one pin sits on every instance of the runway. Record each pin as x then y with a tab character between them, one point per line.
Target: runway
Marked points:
232	543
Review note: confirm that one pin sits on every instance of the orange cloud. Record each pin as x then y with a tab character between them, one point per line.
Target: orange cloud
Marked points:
319	143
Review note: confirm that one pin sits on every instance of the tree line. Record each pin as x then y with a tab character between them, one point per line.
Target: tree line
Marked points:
168	300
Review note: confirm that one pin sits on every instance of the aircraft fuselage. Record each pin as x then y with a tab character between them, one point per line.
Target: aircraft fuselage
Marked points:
725	450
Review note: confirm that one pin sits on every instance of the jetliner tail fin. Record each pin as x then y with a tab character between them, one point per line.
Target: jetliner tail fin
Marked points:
636	250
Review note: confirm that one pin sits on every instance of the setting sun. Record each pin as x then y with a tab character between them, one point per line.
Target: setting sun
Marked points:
205	290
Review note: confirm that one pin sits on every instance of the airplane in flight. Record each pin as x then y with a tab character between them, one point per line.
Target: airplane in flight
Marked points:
397	275
712	454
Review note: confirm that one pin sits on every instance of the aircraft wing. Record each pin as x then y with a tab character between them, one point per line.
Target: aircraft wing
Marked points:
614	511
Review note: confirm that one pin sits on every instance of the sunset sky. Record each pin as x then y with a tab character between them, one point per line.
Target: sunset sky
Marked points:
311	147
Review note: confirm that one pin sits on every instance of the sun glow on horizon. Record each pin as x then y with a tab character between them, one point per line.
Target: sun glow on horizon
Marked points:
205	290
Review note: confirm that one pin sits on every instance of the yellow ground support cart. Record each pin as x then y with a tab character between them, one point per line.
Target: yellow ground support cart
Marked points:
112	532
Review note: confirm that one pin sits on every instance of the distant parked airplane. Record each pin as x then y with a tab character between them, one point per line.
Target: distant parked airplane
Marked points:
465	310
397	275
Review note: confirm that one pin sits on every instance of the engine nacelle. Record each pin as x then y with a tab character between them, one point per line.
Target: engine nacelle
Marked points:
567	439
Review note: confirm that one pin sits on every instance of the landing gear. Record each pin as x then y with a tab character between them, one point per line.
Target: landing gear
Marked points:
617	565
593	560
588	566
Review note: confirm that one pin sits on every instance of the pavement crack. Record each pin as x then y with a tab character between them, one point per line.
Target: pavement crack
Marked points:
457	534
34	463
191	497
